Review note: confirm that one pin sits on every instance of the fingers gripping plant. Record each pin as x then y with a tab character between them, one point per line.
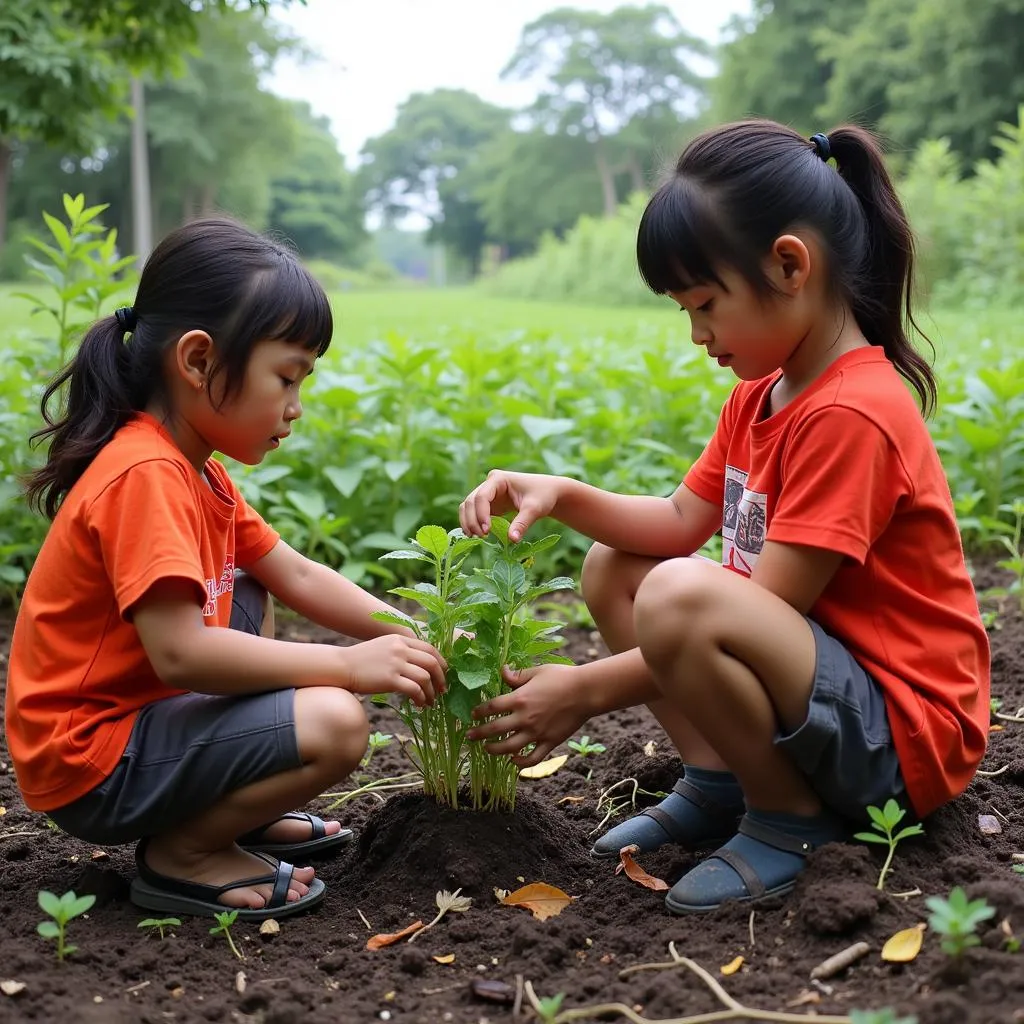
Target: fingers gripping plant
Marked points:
479	622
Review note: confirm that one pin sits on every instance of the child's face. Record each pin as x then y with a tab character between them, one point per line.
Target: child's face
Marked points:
256	419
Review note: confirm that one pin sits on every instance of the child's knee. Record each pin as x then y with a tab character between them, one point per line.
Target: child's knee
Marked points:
602	577
331	727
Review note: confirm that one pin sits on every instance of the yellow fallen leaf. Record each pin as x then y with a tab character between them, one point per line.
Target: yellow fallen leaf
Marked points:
379	941
448	958
637	873
732	966
545	768
904	945
3	811
541	899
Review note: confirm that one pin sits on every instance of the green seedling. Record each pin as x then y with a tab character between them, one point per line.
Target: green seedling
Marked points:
480	622
1014	544
223	927
994	704
159	924
547	1009
956	919
885	1016
585	748
884	822
62	909
377	741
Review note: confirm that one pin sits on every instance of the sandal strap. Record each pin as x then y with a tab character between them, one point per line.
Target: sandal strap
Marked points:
282	880
773	837
688	791
317	828
742	867
675	830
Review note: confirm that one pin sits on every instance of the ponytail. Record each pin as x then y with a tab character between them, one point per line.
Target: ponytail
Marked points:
98	400
883	307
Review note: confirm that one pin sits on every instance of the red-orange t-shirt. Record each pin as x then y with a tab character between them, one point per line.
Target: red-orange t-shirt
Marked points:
78	672
849	466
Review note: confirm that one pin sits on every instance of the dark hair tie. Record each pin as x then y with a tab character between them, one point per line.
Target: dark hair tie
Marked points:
821	146
126	318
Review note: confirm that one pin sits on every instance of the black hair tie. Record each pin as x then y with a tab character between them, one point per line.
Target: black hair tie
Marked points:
822	146
126	318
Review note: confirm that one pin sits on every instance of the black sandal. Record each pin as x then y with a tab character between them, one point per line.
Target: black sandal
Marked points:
318	843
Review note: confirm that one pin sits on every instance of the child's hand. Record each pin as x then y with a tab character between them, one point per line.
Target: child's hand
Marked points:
396	664
542	709
532	495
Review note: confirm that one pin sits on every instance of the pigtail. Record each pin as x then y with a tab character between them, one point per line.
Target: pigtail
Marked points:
884	307
96	401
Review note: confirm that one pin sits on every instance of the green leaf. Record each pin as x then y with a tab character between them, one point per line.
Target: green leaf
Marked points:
59	232
48	929
878	817
473	677
310	503
50	903
410	555
395	469
893	813
345	479
910	830
871	837
460	701
396	619
538	427
499	529
431	602
80	905
433	539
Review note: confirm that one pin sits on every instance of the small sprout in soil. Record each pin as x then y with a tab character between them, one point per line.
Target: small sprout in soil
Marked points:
159	924
547	1009
62	909
1011	943
1019	868
884	821
585	748
956	919
378	741
224	922
994	704
886	1016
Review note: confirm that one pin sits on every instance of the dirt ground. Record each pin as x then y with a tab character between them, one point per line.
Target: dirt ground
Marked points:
317	970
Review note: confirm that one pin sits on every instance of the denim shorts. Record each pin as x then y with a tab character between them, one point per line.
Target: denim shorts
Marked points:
845	745
187	752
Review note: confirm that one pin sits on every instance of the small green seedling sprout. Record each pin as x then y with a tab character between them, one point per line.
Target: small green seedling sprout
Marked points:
1019	868
885	1016
547	1009
224	922
585	748
884	822
62	909
377	741
994	704
956	919
159	924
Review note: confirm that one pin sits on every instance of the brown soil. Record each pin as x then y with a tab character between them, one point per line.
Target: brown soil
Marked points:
318	971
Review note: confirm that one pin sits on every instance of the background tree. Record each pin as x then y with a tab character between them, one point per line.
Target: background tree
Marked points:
606	72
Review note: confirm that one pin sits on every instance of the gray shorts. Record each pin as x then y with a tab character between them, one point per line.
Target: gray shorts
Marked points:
187	752
845	746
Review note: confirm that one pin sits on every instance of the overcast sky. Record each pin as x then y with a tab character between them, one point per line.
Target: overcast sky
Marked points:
375	53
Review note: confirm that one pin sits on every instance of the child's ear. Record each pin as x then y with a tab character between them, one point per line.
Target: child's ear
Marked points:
789	264
194	357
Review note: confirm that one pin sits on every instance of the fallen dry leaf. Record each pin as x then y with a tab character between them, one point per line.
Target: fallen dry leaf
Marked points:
995	728
379	941
270	927
3	811
99	855
732	966
904	945
637	873
12	988
805	997
988	825
649	748
545	768
541	899
572	799
448	958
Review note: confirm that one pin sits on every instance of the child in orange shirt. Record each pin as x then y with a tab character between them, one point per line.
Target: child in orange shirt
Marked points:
839	658
146	697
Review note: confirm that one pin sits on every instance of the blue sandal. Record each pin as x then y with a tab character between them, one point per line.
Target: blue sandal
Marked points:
153	891
703	822
318	843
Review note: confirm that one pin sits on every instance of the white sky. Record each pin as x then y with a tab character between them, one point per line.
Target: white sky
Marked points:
376	53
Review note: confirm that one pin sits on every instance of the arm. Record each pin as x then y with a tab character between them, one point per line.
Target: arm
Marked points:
187	654
322	595
640	524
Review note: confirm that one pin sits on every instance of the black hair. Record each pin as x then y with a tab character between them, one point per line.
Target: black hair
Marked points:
212	275
736	188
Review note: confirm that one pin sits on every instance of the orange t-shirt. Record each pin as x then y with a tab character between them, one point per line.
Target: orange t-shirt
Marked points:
849	466
78	672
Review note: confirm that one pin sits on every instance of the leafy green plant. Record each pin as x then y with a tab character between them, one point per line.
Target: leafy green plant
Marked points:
956	919
884	1016
159	924
1014	544
884	821
223	927
81	265
585	748
547	1008
61	909
479	621
378	741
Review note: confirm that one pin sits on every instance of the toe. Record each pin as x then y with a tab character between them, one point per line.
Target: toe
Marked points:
332	828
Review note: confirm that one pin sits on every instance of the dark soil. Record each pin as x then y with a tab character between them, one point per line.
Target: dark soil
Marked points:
318	971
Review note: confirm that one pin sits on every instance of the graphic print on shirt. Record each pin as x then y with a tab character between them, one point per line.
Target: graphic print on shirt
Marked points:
744	522
215	588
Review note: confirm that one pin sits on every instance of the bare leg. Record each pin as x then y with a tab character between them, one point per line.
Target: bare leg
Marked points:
610	581
331	730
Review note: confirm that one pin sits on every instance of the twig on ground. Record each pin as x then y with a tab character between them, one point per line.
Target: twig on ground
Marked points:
840	961
734	1010
750	927
374	789
137	988
517	1006
1018	717
362	918
992	775
996	810
906	895
11	835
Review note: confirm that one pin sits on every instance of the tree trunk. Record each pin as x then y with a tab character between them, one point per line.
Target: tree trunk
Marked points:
142	209
6	156
636	173
604	170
